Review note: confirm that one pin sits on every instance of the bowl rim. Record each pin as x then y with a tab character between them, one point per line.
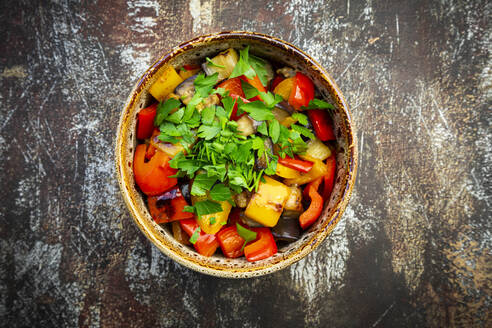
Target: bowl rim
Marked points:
309	245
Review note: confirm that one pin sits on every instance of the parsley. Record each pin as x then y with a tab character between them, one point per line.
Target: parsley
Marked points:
220	192
212	220
246	234
182	69
274	130
228	103
208	115
203	85
212	64
259	65
270	99
195	235
208	132
301	118
207	207
243	66
318	103
258	111
263	129
202	184
302	130
249	90
176	116
163	110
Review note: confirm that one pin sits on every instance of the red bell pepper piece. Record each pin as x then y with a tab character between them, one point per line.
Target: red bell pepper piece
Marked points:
206	244
323	126
302	92
145	125
263	247
315	208
233	86
168	207
153	176
234	115
230	242
296	164
329	179
275	82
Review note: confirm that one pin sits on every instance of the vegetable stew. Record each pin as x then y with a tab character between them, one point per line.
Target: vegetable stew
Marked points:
235	154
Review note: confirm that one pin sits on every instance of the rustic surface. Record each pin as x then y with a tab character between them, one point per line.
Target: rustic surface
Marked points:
413	249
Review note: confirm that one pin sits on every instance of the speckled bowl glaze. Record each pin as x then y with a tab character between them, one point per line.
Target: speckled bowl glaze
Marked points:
274	50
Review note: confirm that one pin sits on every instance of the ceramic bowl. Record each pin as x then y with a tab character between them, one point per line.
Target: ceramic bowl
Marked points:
272	49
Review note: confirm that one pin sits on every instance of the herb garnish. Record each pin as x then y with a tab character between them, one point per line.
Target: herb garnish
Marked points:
195	235
246	234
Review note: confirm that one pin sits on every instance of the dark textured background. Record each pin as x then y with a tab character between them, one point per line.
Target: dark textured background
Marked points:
413	248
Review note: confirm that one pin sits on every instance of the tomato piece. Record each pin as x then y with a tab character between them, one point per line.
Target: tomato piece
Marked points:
145	125
322	124
230	242
308	217
296	164
233	86
302	92
275	82
263	247
206	244
329	179
153	176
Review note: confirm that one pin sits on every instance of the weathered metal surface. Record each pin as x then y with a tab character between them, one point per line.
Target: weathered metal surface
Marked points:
413	249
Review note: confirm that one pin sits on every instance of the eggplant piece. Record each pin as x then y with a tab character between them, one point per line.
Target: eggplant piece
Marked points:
186	89
261	162
287	229
242	199
185	191
286	72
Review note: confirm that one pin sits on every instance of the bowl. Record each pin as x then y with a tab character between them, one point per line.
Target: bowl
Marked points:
275	50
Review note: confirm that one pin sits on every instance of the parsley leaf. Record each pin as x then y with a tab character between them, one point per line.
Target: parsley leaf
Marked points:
302	130
195	235
249	90
270	99
246	234
203	85
243	67
201	184
176	116
259	65
258	111
220	192
163	110
274	130
318	103
208	115
205	207
208	132
212	64
263	129
228	103
301	118
212	220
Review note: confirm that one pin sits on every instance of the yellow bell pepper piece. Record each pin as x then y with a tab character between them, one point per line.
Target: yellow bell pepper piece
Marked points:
286	172
165	84
188	73
220	219
319	169
267	204
284	88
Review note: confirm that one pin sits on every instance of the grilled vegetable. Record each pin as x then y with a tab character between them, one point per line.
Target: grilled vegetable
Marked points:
263	247
315	207
293	206
317	149
230	242
205	244
179	233
242	199
245	126
319	169
286	72
287	172
145	125
287	229
284	88
296	164
302	91
261	162
188	71
228	59
211	223
322	123
267	204
165	84
186	89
